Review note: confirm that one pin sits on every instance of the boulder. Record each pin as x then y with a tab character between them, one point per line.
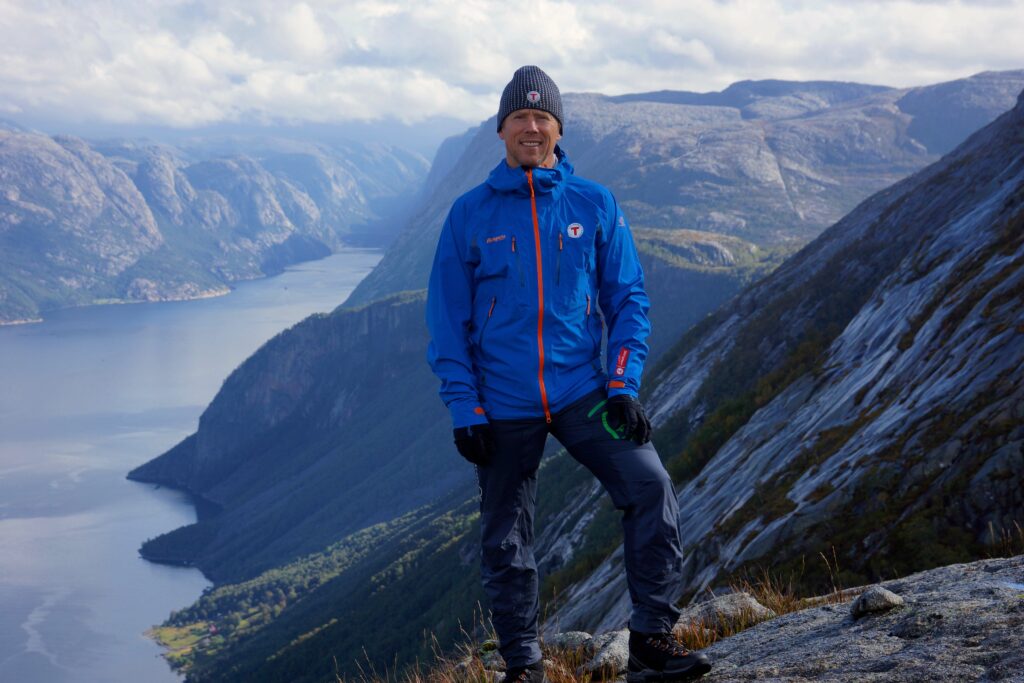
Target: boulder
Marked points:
612	656
875	599
725	613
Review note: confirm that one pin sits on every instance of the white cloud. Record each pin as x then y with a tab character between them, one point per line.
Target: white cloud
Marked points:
186	63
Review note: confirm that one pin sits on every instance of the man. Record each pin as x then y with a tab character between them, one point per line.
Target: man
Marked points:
522	264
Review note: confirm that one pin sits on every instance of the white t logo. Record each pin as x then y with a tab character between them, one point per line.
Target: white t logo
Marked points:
533	96
575	230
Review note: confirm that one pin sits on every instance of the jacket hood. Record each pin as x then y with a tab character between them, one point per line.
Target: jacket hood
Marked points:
504	178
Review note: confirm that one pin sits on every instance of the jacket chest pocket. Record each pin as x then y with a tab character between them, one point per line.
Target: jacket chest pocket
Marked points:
500	258
574	264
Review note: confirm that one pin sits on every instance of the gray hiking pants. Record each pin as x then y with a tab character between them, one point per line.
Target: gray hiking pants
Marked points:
639	486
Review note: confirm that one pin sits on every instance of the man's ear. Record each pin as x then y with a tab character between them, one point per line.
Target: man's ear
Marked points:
501	135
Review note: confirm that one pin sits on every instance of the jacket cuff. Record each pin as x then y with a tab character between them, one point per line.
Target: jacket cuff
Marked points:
466	413
618	387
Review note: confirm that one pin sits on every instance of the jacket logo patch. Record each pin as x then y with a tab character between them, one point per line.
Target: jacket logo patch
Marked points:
620	363
622	222
496	238
575	230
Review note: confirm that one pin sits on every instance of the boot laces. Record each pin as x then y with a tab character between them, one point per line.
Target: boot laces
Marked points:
668	644
523	675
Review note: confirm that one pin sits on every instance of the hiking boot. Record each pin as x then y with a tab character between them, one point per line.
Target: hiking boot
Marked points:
660	658
532	673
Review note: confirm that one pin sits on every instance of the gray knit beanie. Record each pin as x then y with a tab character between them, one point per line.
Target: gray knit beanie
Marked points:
531	88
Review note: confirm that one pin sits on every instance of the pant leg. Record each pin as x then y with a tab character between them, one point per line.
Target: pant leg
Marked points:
640	486
508	493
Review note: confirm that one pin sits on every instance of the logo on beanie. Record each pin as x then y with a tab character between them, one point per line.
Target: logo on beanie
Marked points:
533	96
574	230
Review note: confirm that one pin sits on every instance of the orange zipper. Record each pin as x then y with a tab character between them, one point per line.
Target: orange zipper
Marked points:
540	298
487	321
558	264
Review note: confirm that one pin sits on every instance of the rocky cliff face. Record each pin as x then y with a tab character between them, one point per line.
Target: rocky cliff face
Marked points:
70	221
83	222
770	162
888	417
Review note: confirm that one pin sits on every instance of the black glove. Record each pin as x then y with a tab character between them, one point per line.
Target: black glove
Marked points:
475	443
627	411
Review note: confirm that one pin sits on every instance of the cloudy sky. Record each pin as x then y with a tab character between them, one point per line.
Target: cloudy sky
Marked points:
187	64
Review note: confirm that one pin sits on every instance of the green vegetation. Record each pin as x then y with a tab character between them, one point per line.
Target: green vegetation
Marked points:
707	252
343	604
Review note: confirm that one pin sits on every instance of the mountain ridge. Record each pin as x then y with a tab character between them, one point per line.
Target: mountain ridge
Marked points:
771	170
128	221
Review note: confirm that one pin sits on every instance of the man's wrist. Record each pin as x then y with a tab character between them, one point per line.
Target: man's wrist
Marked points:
619	388
467	414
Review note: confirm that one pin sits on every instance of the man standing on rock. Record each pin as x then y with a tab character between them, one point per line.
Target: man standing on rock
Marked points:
522	264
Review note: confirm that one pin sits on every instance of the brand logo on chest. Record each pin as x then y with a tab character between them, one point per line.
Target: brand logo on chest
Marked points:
575	230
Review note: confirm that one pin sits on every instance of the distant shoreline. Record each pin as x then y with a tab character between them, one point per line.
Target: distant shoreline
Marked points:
20	321
208	294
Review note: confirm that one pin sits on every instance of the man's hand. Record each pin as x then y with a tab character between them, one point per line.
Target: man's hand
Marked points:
627	411
475	443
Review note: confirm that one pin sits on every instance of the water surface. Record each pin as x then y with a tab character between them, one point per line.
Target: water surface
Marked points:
85	397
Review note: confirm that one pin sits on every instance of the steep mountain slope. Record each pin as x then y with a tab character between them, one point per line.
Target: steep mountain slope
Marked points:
866	397
84	222
346	403
771	162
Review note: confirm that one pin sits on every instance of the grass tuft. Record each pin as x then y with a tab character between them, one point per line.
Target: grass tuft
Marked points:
1005	542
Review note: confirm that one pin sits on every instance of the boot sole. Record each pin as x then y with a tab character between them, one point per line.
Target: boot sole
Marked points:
651	676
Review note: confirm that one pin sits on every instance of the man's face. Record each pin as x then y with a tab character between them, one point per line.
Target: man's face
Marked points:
530	136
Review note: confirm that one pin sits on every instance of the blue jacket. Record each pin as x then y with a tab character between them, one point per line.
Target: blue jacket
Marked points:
522	263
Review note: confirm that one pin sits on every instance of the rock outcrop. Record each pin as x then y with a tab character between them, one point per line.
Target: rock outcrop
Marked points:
957	623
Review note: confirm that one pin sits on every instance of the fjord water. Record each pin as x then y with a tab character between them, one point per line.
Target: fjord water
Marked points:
85	397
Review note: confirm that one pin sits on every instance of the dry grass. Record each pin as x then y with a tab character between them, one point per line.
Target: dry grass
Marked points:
777	594
468	663
1004	542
